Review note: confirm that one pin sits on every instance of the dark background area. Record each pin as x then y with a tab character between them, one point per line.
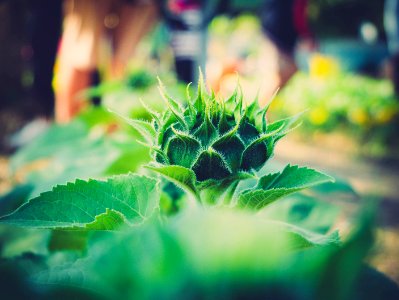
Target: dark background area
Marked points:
342	18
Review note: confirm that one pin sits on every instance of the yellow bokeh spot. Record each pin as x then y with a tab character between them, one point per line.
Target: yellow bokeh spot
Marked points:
321	66
318	116
385	116
358	116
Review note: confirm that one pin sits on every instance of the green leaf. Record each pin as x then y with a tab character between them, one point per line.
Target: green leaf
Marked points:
221	191
207	132
258	199
257	114
284	125
304	211
252	108
145	128
110	220
274	186
190	114
298	177
181	176
154	114
230	103
173	105
199	103
238	110
260	120
301	238
165	134
90	204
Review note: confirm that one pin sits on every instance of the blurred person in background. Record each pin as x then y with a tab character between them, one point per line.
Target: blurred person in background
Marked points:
188	21
86	24
283	22
46	19
43	32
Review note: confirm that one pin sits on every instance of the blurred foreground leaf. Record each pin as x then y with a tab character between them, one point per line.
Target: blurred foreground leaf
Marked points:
164	260
231	255
304	211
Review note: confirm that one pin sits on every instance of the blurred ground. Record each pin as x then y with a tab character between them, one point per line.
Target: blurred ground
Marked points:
373	180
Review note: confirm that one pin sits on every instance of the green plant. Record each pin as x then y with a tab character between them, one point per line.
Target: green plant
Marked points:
368	115
136	80
206	148
114	239
211	145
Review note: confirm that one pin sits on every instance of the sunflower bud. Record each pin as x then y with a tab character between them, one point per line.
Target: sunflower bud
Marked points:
215	138
210	142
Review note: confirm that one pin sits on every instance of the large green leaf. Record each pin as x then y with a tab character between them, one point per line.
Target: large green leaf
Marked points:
295	177
305	212
93	204
274	186
181	176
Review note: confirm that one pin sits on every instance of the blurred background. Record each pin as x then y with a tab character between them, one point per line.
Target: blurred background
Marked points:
63	64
